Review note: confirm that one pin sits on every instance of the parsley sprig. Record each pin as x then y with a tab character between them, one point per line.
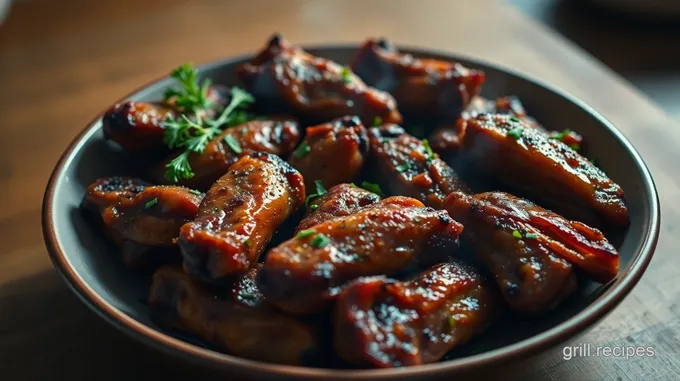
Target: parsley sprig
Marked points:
192	96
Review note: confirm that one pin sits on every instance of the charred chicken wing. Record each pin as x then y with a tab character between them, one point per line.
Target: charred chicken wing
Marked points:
304	274
236	320
385	323
420	85
340	201
314	87
332	153
108	191
528	161
407	166
239	216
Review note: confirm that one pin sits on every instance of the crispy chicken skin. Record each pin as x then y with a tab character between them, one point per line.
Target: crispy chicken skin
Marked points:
239	216
383	323
420	85
235	320
139	125
277	137
107	191
304	274
332	153
341	200
315	87
529	250
404	166
528	161
147	225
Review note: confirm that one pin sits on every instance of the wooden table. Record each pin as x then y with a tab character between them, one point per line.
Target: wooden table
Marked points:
61	62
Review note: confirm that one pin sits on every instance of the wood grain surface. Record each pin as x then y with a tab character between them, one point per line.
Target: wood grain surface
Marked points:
62	62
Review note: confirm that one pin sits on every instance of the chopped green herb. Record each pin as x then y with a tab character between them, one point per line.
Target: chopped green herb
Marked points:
516	234
151	203
305	233
239	117
346	75
403	166
352	185
247	242
196	192
384	140
516	133
375	188
514	119
191	96
215	210
233	144
531	236
320	189
302	150
377	121
314	207
248	296
319	241
452	322
575	147
561	135
429	154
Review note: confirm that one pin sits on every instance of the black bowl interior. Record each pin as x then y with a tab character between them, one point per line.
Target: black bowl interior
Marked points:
96	261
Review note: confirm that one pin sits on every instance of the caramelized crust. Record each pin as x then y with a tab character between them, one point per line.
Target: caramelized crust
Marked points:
235	320
107	191
332	153
304	274
384	323
239	216
340	201
314	87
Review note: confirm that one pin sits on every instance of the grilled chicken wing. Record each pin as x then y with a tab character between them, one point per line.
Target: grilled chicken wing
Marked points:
530	250
340	201
235	320
420	85
277	137
147	225
239	215
332	153
304	274
528	161
108	191
381	322
407	166
314	87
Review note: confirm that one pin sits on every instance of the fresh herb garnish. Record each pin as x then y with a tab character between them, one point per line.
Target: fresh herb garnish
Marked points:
247	242
247	296
151	203
375	188
314	207
575	147
346	75
215	210
560	136
192	96
403	166
305	233
196	192
429	154
302	150
452	322
531	236
516	133
233	144
377	121
319	241
320	191
516	234
514	119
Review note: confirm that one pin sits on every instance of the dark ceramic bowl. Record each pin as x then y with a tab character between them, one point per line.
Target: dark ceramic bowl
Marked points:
89	264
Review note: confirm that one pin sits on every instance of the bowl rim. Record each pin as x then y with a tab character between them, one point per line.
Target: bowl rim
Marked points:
605	303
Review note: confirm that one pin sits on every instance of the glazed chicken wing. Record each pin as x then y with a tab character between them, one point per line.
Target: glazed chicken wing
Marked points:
340	201
384	323
332	153
304	274
107	191
423	86
407	166
315	87
239	216
528	161
235	320
277	137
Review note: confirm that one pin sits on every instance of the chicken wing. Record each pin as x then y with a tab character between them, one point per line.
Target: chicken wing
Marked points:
304	274
314	87
424	86
236	320
277	137
384	323
107	191
332	153
239	216
340	201
407	166
526	160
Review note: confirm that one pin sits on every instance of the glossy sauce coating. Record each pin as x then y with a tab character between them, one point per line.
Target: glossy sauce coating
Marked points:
405	167
277	137
149	221
304	274
380	322
531	265
314	87
526	159
107	191
239	216
236	320
420	85
340	201
337	151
